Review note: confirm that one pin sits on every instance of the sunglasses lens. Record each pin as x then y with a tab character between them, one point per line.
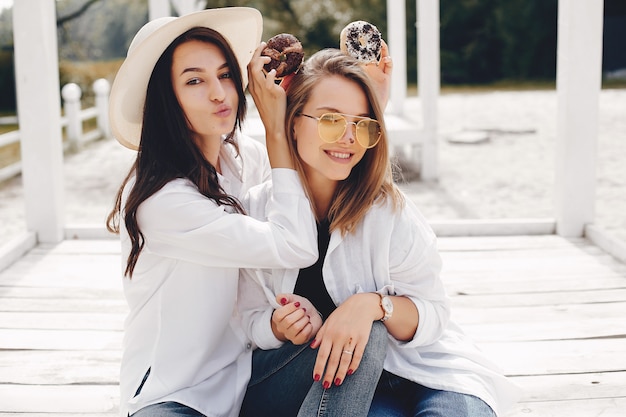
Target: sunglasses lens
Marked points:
331	127
368	133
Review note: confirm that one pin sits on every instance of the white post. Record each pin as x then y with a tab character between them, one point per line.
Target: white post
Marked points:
579	78
101	90
159	8
428	82
39	110
184	7
71	94
396	38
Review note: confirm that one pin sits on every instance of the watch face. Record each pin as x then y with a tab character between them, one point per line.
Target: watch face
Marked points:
387	304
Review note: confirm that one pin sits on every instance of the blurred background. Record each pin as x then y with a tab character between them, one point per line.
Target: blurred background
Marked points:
498	78
483	42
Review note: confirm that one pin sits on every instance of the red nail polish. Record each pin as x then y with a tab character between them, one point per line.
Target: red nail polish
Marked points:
297	304
312	343
337	381
304	308
326	385
316	377
350	371
283	301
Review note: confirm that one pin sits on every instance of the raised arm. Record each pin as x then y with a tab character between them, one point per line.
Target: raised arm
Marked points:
271	102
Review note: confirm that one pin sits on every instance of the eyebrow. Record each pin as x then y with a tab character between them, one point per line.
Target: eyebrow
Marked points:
198	69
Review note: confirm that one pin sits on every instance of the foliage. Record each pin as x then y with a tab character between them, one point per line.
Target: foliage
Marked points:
481	41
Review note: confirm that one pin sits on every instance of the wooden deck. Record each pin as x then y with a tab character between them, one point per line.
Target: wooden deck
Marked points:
551	311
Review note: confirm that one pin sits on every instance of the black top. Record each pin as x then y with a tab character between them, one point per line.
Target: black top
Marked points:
310	283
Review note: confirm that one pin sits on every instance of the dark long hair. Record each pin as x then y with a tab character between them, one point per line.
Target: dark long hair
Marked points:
167	150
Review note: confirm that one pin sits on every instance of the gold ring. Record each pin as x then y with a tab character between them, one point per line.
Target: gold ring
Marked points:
347	352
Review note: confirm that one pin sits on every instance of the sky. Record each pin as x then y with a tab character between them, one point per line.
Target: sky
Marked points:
5	3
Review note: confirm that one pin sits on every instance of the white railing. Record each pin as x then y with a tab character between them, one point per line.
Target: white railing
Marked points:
72	121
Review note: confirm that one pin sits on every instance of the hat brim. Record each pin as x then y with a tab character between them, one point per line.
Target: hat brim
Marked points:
242	27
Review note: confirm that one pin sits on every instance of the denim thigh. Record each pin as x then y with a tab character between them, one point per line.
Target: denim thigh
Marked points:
167	409
399	397
281	379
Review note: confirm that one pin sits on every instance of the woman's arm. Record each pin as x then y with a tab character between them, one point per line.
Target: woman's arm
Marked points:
271	102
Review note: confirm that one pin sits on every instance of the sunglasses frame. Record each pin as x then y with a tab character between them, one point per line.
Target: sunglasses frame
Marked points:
347	123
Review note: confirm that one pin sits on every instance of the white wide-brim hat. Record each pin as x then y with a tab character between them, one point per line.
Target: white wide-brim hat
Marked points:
242	27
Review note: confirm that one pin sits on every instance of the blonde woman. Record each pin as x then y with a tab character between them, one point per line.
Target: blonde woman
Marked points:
318	328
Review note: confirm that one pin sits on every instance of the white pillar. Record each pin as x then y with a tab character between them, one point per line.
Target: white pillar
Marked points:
579	77
71	94
184	7
39	111
428	82
396	38
158	8
101	89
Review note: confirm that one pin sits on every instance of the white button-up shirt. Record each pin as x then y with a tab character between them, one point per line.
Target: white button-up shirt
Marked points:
181	328
392	252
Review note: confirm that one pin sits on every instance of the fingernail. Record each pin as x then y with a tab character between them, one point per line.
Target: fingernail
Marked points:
337	381
326	385
316	377
297	304
312	343
283	301
304	308
350	371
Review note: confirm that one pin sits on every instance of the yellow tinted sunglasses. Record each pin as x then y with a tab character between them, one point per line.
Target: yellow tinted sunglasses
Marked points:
332	126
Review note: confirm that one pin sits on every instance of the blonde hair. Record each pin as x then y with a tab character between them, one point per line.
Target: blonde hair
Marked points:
370	181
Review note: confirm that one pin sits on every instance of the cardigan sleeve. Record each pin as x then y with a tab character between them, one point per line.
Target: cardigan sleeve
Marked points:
415	272
178	222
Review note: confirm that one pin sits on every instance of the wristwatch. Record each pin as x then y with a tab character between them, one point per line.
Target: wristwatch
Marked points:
387	305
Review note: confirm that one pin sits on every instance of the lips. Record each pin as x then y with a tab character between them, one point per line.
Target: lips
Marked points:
223	111
340	155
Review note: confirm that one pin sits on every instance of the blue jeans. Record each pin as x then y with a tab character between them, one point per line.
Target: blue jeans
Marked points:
399	397
167	409
282	382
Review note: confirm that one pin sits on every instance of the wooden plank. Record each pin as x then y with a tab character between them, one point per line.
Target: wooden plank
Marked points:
541	299
67	367
507	283
605	407
58	293
60	339
62	320
55	305
558	356
97	271
520	316
572	386
81	414
497	243
548	330
62	399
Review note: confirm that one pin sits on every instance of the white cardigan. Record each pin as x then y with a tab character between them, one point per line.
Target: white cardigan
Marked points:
392	252
183	291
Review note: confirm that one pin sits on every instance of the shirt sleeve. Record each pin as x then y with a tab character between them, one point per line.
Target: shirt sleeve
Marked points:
178	222
415	272
256	303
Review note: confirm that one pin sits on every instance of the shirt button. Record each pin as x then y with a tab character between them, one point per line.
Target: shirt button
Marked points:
248	346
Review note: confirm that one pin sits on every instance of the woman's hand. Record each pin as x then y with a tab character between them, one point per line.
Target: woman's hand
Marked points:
297	320
380	74
343	337
271	102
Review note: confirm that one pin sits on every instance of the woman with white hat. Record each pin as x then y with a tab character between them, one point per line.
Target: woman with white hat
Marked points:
178	99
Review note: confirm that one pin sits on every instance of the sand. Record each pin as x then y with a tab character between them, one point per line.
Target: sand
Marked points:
508	175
